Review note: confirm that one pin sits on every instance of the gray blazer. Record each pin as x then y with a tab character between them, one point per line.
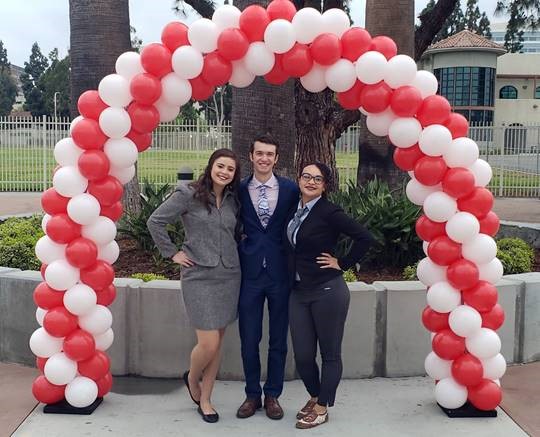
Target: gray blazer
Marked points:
208	237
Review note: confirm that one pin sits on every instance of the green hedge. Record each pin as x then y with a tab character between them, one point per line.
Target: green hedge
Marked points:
18	237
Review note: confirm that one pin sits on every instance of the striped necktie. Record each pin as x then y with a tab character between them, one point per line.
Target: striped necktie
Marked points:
294	224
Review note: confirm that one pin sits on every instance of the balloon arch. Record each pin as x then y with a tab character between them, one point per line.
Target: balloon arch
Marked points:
322	50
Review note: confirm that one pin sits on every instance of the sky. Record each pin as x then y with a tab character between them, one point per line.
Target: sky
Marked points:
47	22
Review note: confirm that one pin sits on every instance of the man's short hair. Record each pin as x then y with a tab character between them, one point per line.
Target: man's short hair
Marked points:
266	139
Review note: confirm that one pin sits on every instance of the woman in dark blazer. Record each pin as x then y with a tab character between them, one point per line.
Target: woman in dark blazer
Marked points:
319	299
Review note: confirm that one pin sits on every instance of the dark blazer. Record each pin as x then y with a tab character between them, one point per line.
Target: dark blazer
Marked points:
319	233
265	243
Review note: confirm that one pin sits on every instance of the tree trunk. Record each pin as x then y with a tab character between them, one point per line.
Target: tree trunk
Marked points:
100	33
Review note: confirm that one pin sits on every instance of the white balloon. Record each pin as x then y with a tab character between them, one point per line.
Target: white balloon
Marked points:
40	315
225	17
439	206
371	67
426	83
115	122
69	182
482	172
175	90
335	21
462	227
59	369
494	367
187	62
417	192
102	231
279	36
379	124
66	152
400	71
105	340
128	65
61	275
124	175
482	249
314	81
492	271
109	252
241	77
97	321
463	152
442	297
44	345
435	140
405	132
307	23
340	76
114	90
81	392
203	35
430	273
465	321
166	111
83	209
425	246
48	251
450	394
80	299
121	152
436	367
259	60
485	343
44	221
74	122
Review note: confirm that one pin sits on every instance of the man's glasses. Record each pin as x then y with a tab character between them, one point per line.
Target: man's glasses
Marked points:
306	177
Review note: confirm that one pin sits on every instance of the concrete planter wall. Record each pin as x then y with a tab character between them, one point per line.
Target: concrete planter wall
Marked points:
384	335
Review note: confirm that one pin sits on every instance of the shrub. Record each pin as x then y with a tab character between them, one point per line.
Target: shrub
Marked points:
515	254
409	272
18	236
147	277
350	276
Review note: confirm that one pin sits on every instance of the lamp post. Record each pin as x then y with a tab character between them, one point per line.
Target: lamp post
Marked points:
54	100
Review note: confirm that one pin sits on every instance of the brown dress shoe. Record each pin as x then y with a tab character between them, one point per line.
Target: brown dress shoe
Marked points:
272	407
248	408
306	409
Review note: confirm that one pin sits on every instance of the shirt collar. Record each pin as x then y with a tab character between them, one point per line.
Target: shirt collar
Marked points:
310	204
269	183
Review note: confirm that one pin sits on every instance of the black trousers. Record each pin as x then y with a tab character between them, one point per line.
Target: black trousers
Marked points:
318	316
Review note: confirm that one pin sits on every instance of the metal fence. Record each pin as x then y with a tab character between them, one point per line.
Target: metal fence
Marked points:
27	161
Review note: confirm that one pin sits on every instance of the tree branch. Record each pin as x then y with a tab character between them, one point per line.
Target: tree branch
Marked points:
205	8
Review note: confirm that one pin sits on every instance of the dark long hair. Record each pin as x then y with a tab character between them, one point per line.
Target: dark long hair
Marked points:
326	174
203	186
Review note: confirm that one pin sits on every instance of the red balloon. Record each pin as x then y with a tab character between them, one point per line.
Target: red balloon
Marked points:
430	170
443	251
95	367
46	297
482	296
53	203
486	395
355	42
216	70
253	22
434	321
90	104
59	322
351	99
297	62
406	158
490	224
174	35
283	9
494	318
277	75
406	101
81	253
478	203
434	110
144	118
40	363
46	392
462	274
106	296
156	59
326	49
376	98
232	44
107	191
384	45
428	230
79	345
114	212
458	182
467	370
200	90
145	88
42	270
94	164
61	229
88	135
448	345
457	124
104	385
142	141
99	275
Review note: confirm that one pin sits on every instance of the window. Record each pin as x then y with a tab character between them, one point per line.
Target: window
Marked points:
464	86
537	92
508	92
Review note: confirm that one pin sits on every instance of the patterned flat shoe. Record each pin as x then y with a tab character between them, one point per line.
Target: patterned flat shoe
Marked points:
306	409
312	420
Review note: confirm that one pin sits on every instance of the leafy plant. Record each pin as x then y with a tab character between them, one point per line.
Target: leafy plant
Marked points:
515	255
350	276
409	272
147	277
18	237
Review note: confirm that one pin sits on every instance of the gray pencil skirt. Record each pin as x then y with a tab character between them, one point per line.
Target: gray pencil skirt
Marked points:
211	295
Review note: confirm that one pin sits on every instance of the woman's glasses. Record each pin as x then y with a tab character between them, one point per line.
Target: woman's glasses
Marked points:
306	177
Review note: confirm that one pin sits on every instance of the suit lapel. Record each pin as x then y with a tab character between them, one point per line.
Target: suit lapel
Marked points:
304	226
280	200
248	204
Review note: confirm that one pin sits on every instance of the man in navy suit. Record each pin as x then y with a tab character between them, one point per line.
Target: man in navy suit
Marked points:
265	202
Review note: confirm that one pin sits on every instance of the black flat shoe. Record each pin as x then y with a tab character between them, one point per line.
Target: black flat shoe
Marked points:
186	381
210	418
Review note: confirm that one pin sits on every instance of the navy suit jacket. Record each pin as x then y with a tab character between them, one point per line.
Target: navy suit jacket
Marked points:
265	243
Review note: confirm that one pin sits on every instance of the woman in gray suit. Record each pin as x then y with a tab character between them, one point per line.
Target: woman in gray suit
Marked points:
210	279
